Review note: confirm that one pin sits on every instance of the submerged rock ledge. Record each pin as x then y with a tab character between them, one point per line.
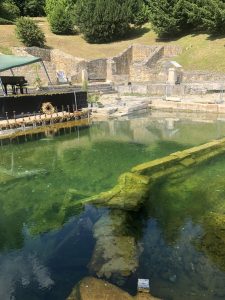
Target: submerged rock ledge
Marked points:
134	187
90	288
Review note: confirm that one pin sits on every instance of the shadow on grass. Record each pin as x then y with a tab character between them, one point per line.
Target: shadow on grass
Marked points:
211	36
132	34
216	37
135	33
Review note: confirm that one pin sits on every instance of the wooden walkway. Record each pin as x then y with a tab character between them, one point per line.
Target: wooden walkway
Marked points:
12	128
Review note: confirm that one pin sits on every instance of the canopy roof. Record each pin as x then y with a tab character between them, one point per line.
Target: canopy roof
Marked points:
11	61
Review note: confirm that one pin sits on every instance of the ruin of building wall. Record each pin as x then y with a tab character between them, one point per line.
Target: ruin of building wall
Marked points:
97	69
119	65
141	52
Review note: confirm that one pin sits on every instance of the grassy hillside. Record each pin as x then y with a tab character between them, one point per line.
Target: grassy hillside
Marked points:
200	51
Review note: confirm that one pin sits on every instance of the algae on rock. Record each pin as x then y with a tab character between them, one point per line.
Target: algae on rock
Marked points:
128	194
212	242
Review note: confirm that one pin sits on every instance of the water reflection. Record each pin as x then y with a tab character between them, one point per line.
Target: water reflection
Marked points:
41	180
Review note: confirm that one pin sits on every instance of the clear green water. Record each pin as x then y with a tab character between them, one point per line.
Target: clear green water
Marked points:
45	246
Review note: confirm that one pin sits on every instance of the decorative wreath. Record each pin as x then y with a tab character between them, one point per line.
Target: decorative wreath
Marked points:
47	108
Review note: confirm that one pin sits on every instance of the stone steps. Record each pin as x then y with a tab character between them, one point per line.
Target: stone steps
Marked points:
105	88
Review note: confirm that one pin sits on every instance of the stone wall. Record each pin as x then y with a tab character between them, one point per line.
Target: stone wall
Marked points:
31	72
154	57
137	63
72	66
162	89
55	60
139	73
118	67
44	54
142	52
97	69
145	71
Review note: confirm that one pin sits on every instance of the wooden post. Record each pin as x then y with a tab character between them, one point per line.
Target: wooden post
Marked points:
49	80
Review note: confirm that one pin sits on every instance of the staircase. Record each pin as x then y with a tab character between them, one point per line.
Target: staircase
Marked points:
105	88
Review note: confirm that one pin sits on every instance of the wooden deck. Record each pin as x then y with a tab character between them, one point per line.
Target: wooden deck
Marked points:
12	128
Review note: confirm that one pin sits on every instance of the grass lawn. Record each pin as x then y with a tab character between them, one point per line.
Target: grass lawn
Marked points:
199	51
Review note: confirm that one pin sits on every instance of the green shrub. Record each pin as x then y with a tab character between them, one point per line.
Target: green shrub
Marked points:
34	8
9	10
103	21
60	15
29	33
49	6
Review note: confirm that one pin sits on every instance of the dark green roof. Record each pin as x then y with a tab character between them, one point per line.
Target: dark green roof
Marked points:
11	61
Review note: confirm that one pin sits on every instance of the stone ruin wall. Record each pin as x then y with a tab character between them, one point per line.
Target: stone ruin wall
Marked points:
144	70
118	67
141	52
138	63
97	69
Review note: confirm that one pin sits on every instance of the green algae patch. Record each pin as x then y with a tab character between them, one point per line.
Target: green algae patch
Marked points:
156	165
128	194
213	241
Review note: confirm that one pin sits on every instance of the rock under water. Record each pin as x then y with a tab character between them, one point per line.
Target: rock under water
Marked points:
91	288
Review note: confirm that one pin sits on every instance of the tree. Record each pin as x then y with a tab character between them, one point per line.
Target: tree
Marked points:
34	8
102	20
29	33
20	4
172	17
9	10
212	15
61	16
162	17
141	15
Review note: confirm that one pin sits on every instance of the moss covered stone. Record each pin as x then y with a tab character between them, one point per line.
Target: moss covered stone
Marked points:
213	241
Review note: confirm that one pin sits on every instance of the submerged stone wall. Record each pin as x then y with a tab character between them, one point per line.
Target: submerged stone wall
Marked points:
134	188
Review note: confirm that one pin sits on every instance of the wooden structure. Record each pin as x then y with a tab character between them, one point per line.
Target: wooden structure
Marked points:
15	106
14	128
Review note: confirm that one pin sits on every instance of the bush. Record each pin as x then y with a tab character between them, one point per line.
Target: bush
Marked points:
9	11
60	16
103	21
34	8
29	33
